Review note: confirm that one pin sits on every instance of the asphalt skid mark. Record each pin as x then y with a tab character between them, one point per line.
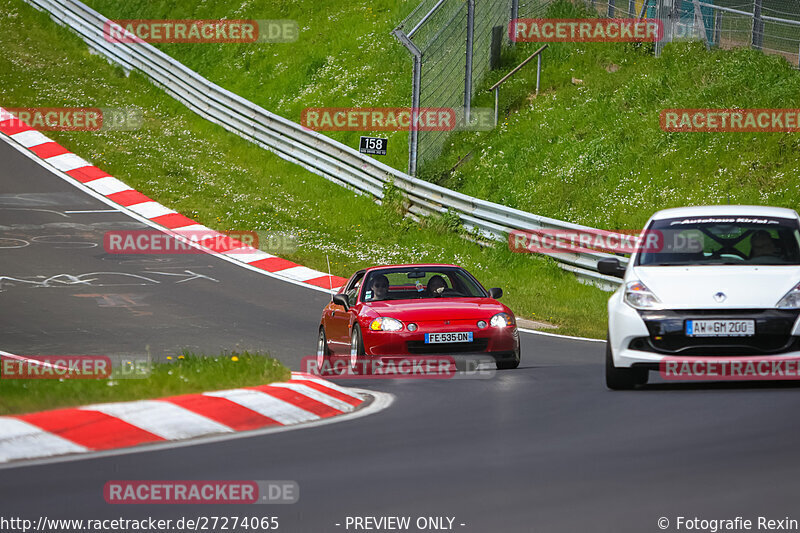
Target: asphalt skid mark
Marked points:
64	293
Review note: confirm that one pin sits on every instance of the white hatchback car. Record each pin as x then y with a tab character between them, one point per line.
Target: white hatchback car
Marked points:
716	281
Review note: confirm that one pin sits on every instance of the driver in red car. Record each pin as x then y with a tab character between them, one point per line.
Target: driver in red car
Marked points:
380	287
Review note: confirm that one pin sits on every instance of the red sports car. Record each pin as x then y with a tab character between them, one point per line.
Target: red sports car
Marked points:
403	310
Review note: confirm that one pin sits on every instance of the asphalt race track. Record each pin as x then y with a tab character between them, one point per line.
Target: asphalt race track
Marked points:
545	448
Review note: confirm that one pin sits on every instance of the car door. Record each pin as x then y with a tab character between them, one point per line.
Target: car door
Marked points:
338	320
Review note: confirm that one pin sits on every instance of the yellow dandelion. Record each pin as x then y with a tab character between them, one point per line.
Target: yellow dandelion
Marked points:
234	358
181	357
169	357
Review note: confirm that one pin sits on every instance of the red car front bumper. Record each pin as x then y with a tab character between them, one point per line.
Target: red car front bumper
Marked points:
497	342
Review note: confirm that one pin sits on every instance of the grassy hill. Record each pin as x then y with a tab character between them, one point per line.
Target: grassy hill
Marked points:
588	149
590	152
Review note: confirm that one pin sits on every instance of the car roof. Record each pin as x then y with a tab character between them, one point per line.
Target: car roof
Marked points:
726	210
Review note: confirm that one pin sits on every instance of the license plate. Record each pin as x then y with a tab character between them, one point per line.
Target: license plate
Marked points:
438	338
720	328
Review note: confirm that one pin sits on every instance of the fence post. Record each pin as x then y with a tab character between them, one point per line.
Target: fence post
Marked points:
632	8
496	47
758	25
664	12
468	68
413	134
717	28
611	9
643	12
416	79
700	21
514	16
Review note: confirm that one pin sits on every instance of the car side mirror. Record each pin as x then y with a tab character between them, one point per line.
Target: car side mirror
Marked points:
341	299
611	267
496	293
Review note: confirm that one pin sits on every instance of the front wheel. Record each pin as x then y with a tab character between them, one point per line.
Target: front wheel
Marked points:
622	378
511	363
323	354
356	349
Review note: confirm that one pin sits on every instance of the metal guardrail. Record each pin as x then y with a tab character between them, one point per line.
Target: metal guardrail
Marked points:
313	151
496	87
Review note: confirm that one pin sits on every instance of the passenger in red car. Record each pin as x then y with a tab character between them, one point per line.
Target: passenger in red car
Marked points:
436	286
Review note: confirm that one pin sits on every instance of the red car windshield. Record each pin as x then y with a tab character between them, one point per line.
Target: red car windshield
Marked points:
419	283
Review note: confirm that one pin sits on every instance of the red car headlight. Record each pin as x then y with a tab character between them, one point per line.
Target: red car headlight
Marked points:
386	323
501	320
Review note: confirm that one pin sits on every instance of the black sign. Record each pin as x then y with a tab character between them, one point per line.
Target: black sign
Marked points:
373	145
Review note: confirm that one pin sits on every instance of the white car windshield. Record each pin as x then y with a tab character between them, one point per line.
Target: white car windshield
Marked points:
721	240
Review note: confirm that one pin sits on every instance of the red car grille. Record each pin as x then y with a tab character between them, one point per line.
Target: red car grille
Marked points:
419	347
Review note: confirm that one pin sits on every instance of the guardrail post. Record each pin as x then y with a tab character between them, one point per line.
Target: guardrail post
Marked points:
497	104
468	66
538	72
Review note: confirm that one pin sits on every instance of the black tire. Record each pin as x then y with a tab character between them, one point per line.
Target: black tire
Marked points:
324	364
356	349
510	364
622	378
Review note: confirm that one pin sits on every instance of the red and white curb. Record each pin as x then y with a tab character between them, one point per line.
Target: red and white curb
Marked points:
92	428
130	201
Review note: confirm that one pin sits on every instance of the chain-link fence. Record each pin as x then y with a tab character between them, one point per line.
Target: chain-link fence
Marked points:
455	42
769	25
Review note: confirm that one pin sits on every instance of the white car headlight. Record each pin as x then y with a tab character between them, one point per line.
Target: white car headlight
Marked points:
791	300
501	320
386	323
638	296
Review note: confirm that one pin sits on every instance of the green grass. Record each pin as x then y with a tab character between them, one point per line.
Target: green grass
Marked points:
345	56
592	152
226	183
589	152
185	375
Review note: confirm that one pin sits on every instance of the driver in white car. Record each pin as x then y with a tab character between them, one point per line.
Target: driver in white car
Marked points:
762	245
